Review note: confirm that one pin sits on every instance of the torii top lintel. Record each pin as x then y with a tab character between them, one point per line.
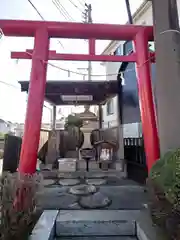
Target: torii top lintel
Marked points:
21	28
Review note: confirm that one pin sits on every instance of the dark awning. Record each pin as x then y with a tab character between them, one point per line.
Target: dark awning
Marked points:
77	92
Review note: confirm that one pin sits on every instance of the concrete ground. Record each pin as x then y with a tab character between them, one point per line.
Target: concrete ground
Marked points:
125	196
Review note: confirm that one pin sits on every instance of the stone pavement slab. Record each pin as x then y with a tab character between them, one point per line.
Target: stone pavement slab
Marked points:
45	227
48	182
69	182
98	238
96	223
125	197
60	201
96	182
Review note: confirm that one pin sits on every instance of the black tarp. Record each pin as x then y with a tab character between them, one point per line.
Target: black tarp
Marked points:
12	148
130	103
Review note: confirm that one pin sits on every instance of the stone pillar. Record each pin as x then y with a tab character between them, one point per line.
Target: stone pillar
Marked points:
54	117
30	143
120	164
167	84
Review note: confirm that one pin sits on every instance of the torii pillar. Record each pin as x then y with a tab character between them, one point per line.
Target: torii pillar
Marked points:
167	40
30	143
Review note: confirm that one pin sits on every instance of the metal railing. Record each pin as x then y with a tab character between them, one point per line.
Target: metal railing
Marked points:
134	151
135	157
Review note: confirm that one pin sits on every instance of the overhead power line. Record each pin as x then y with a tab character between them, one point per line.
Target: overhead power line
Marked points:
82	2
9	85
42	18
62	10
75	5
36	10
66	15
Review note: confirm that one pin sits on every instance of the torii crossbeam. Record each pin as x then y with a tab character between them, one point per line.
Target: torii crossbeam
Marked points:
42	32
81	57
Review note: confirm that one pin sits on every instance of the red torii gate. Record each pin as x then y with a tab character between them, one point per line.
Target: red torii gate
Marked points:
42	32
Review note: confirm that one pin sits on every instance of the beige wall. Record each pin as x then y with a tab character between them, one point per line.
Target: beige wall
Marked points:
145	16
43	138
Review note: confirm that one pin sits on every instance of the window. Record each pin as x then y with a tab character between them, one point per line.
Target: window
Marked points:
118	51
127	47
110	107
151	46
123	79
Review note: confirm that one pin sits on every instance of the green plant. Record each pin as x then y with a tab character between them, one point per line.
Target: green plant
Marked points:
18	204
166	174
73	121
1	154
2	135
164	192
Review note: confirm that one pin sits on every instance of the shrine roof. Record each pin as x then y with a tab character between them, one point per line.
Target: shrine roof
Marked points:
77	92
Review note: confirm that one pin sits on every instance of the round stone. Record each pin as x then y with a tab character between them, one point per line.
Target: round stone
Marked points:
97	200
48	182
99	175
69	182
82	189
96	182
66	201
44	167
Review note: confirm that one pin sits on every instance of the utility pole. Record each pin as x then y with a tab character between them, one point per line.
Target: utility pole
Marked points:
130	19
87	18
167	85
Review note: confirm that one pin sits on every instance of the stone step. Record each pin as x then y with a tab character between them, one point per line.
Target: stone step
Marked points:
96	223
97	238
93	165
93	173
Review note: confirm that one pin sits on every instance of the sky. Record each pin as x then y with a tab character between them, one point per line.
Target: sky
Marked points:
12	101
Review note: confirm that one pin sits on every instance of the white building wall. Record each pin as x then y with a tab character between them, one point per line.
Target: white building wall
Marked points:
111	74
147	15
111	120
3	128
